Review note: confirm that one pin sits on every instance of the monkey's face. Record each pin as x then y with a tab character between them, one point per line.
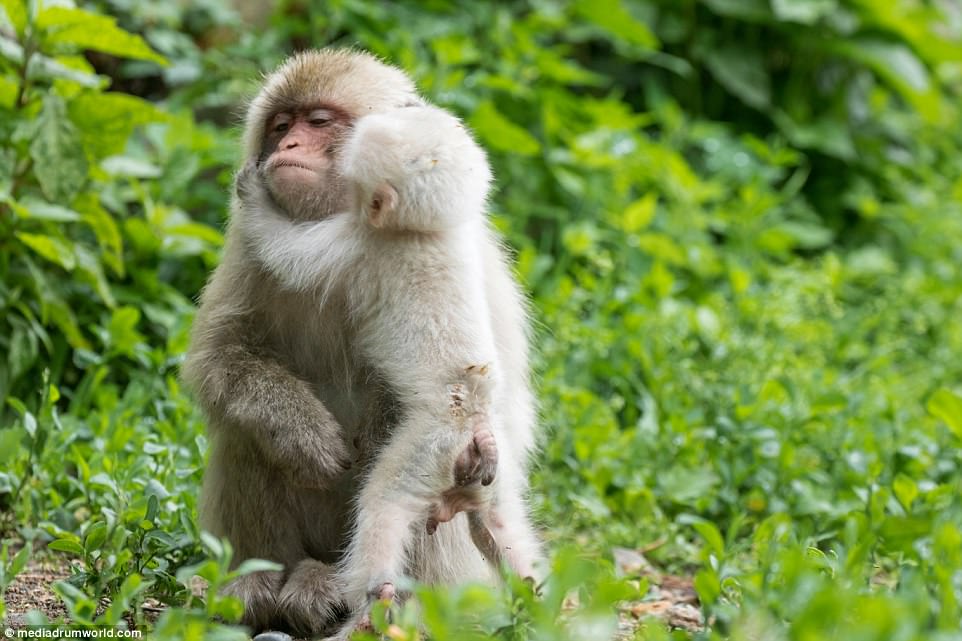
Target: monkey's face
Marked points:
298	121
299	160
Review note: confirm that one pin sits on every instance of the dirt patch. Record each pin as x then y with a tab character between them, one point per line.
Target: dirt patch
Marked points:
31	590
671	599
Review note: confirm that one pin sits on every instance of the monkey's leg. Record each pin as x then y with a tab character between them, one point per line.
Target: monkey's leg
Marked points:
410	472
509	525
310	602
258	592
247	501
377	555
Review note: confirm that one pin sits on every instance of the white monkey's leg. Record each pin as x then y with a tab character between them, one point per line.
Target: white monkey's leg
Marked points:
510	526
412	469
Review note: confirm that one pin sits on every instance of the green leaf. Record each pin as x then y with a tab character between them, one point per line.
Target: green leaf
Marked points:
947	406
106	120
66	545
806	235
905	490
892	60
713	538
615	20
90	271
95	537
580	240
741	71
500	133
256	565
708	531
16	11
898	65
707	586
827	135
132	167
84	30
639	214
105	228
8	161
122	330
8	92
199	231
11	440
58	156
53	249
61	315
803	11
19	561
40	210
750	10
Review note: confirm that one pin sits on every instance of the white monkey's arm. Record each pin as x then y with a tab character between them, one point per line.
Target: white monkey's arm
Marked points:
416	169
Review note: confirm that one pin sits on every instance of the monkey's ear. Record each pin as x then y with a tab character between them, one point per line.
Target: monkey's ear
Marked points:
383	202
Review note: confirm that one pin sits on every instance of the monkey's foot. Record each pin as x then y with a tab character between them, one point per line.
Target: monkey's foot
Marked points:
310	601
384	592
475	466
478	462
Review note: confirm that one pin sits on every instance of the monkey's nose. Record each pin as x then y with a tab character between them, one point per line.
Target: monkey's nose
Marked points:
290	144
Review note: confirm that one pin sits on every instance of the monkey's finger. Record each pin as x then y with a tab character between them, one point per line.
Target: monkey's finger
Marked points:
487	448
466	467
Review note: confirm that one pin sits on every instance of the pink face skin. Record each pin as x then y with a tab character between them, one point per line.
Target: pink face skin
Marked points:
299	163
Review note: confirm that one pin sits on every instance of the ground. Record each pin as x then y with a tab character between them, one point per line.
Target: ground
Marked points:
672	598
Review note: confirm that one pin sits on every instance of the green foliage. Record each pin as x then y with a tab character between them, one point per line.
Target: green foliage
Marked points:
740	223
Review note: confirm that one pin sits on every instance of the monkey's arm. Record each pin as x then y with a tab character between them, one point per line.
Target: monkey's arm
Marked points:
244	389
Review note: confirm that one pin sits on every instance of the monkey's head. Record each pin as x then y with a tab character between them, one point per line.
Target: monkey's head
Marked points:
305	110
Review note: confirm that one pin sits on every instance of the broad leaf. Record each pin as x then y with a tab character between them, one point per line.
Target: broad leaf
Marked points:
16	13
55	250
499	133
615	19
85	30
106	120
57	154
742	72
803	11
947	406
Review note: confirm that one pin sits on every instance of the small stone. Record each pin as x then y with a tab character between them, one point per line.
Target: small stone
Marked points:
273	636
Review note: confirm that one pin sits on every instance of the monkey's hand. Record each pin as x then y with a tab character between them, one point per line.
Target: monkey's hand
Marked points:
249	185
250	392
317	454
474	470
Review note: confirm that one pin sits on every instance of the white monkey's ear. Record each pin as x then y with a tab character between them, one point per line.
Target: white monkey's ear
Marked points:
383	202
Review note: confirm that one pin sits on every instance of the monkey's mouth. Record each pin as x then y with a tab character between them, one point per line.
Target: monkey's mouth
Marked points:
292	163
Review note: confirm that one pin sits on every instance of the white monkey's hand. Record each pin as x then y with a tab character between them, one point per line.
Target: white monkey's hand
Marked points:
416	169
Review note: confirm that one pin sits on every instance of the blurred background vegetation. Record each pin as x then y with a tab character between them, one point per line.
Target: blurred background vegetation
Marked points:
740	222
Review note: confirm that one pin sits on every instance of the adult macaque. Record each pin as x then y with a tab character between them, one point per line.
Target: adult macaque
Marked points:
306	358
